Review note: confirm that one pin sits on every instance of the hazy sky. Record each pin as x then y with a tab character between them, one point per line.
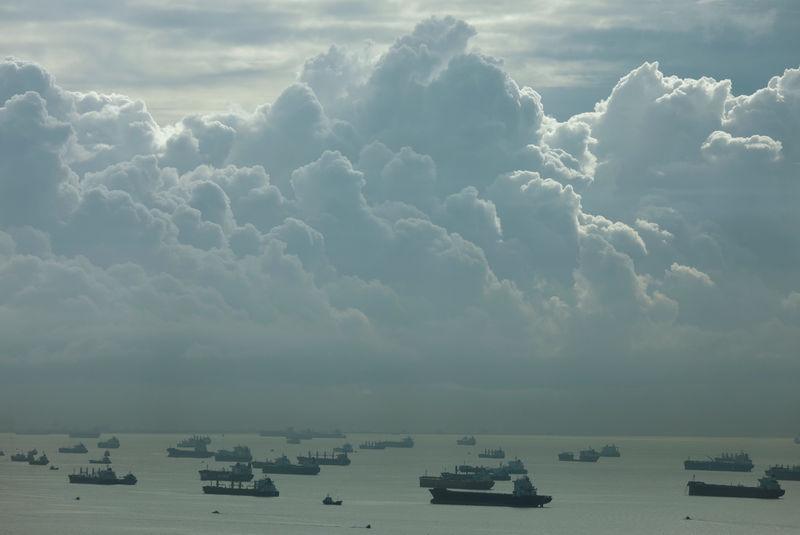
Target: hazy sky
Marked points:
550	217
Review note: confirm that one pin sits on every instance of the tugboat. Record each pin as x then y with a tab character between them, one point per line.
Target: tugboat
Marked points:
474	481
77	448
768	488
784	473
344	448
493	454
41	461
610	450
106	476
263	488
111	443
282	465
199	452
524	495
338	459
238	472
466	441
729	462
105	460
330	501
239	454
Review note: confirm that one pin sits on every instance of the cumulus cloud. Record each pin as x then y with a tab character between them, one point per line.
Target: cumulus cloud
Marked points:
414	219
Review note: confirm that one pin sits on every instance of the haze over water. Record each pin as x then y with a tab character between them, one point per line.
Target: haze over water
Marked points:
643	491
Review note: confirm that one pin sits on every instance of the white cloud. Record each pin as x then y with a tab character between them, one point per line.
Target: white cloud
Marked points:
416	217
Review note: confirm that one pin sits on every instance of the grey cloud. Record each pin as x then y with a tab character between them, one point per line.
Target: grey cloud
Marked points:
420	220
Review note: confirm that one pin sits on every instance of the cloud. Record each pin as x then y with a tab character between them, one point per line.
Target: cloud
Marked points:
411	221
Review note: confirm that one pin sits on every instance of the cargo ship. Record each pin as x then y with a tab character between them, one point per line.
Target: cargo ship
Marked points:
195	441
524	495
112	443
77	448
466	441
499	473
784	473
474	481
729	462
41	461
105	460
238	472
239	454
25	457
263	488
768	488
585	456
493	454
105	476
334	459
199	452
84	434
372	445
282	465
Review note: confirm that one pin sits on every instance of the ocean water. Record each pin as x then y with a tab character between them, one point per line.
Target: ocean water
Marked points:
643	491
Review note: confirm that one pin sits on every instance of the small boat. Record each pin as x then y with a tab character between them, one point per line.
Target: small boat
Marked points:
466	441
344	448
610	450
330	501
53	467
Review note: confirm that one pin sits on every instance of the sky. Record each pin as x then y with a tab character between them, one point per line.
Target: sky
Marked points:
530	217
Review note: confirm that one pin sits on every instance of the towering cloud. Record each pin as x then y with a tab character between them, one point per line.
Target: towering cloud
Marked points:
414	220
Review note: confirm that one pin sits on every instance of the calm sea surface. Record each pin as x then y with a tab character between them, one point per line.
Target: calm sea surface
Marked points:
643	491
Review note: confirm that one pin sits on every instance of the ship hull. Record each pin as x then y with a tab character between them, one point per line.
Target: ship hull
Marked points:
174	452
310	470
438	482
213	489
95	481
717	466
698	488
452	497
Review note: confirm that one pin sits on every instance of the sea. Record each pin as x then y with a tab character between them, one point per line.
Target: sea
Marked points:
641	492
